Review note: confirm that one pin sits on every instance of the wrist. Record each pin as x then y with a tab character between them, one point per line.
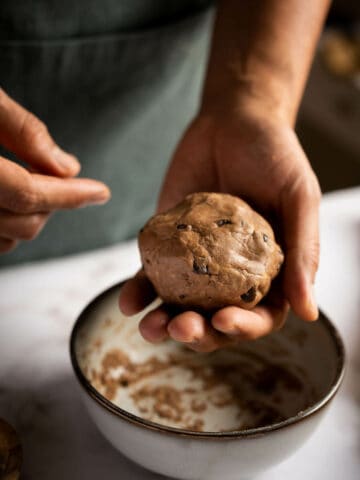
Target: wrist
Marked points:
265	97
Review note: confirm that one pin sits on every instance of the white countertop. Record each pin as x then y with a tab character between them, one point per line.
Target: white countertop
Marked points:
39	394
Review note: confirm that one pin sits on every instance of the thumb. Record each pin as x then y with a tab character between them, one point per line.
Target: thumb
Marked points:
24	134
300	210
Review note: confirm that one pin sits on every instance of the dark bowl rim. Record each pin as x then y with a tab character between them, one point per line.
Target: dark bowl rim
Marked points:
252	432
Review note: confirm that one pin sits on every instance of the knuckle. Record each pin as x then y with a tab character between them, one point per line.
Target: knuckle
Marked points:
312	256
24	199
310	189
305	258
315	191
305	188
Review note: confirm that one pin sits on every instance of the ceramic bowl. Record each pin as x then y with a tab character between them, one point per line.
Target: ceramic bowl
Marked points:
230	414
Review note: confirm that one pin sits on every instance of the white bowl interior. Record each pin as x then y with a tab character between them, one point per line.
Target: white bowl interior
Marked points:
255	384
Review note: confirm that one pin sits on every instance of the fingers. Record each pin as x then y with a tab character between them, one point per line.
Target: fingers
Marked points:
227	326
52	193
199	332
26	199
159	324
300	210
196	332
153	327
24	134
25	193
189	328
249	324
21	227
136	294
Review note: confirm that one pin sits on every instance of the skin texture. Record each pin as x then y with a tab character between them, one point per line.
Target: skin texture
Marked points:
210	251
243	142
29	196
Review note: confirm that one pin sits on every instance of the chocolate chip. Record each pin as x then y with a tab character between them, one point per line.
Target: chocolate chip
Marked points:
182	296
223	221
181	226
200	268
141	231
249	296
265	237
124	383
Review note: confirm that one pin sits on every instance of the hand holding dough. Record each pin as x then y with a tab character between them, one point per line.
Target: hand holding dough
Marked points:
210	251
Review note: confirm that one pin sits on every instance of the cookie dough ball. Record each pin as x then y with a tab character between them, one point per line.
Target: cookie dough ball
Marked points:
209	251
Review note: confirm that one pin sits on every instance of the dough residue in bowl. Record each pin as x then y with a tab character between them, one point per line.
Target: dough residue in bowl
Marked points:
233	390
250	385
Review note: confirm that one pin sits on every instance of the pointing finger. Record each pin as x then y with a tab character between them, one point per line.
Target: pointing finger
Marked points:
25	193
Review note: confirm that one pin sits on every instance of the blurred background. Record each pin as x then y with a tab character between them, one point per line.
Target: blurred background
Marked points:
329	120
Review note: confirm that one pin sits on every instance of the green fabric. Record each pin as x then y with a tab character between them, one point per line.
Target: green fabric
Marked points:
119	100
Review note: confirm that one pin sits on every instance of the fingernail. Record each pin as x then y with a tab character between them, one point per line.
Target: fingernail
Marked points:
312	304
100	197
68	163
94	193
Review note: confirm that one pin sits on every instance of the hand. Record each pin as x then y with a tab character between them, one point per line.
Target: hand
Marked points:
243	143
259	158
28	197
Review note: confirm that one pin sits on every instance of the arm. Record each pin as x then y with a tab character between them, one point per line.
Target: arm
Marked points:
261	53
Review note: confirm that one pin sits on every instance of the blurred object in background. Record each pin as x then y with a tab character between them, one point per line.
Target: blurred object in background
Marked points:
340	53
340	46
329	120
10	452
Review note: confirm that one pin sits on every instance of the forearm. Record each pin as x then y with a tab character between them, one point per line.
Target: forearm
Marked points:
261	52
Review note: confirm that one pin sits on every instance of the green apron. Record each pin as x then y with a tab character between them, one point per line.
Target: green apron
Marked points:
116	82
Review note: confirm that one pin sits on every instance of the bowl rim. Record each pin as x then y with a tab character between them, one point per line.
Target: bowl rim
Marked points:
246	433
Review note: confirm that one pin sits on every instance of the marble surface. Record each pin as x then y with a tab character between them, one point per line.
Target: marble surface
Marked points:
39	394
